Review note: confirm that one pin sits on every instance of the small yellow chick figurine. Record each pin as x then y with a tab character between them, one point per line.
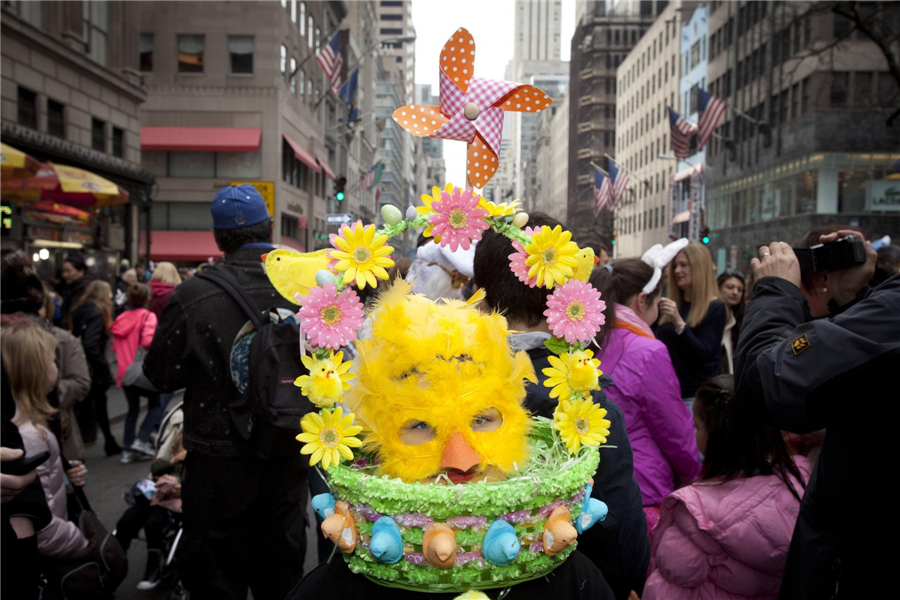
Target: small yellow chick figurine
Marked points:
586	261
327	379
577	372
294	273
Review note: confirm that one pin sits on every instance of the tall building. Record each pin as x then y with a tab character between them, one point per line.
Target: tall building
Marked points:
535	139
603	38
549	181
537	30
433	148
71	95
502	186
648	82
825	153
238	96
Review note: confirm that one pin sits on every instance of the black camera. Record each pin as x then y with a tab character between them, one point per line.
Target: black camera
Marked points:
840	254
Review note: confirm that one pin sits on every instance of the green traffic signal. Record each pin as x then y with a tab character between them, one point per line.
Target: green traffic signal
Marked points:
705	239
339	196
613	242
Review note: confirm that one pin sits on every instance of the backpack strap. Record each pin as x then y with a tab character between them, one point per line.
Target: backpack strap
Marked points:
233	288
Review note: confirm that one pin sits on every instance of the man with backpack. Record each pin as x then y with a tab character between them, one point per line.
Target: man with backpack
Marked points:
224	340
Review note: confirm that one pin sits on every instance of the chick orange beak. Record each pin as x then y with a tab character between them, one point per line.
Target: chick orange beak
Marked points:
264	256
458	454
596	259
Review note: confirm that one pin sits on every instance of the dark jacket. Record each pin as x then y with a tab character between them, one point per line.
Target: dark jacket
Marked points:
696	352
88	325
70	292
192	349
838	373
618	545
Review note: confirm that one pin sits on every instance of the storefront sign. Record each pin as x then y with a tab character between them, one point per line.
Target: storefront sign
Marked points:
266	189
673	207
295	207
884	194
6	213
695	224
302	222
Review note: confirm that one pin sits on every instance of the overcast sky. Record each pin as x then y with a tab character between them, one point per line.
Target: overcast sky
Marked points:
491	24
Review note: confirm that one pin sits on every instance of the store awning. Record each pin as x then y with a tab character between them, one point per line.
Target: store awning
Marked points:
197	246
682	217
201	139
685	173
325	167
302	155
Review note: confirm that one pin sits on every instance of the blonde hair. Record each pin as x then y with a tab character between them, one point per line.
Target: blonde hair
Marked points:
100	294
704	288
26	351
166	272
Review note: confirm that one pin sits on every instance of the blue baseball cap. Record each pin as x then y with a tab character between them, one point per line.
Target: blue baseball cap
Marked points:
238	206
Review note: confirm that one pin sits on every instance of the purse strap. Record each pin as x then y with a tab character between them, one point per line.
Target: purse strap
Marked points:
79	491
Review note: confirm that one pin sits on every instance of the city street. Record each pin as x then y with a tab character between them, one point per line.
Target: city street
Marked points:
108	479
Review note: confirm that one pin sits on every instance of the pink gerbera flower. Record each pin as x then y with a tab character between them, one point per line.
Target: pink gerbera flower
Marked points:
575	311
458	220
517	261
329	319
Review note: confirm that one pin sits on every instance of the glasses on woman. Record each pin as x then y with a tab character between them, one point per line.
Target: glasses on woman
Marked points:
731	273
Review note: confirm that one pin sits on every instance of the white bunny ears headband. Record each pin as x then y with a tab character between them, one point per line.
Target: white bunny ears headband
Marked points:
658	257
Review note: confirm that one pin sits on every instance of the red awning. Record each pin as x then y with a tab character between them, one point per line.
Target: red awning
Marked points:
325	167
302	155
201	139
196	246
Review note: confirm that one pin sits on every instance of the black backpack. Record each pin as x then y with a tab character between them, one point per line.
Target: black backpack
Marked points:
267	415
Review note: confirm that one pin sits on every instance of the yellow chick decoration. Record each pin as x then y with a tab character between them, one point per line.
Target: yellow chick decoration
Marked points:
586	261
572	373
439	392
294	273
327	379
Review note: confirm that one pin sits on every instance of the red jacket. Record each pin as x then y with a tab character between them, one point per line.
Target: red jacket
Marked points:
131	329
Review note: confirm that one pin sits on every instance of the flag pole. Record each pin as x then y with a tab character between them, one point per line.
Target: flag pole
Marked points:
605	174
632	173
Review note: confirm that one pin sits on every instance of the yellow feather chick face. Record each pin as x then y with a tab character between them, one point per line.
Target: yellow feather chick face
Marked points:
439	392
586	261
327	379
294	273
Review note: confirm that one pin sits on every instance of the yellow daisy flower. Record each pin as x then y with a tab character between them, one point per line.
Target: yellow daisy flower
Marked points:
326	380
361	255
426	207
551	256
501	209
329	436
581	423
576	372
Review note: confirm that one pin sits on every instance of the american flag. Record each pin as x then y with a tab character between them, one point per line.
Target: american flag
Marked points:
370	179
681	134
330	60
619	183
711	109
601	191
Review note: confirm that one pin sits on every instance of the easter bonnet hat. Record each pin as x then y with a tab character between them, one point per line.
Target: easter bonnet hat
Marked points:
402	513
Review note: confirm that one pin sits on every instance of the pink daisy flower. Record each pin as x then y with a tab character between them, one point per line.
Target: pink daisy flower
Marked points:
575	311
517	261
458	220
329	319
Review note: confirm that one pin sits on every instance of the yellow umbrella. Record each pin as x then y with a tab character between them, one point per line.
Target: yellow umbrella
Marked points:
66	185
15	164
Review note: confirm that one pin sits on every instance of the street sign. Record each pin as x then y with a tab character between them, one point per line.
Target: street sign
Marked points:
321	237
266	189
338	219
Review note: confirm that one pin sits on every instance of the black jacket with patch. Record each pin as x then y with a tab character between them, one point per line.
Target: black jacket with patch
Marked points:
838	373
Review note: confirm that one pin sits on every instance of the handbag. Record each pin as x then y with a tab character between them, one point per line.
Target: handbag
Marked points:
97	572
134	374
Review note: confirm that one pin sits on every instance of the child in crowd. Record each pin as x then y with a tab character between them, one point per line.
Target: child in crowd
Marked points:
727	535
153	514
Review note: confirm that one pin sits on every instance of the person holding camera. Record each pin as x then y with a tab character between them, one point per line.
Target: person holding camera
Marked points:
829	373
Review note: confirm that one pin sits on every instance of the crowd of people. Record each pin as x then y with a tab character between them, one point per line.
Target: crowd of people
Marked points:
738	451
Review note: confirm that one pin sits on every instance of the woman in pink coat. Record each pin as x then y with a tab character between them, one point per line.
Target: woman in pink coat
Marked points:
646	388
727	535
134	329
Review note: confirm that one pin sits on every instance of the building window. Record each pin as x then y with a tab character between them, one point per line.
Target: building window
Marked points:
646	8
289	227
302	86
190	53
293	76
391	31
392	2
56	119
27	108
389	17
118	142
795	101
806	93
782	107
318	39
862	87
240	49
807	31
98	135
842	27
839	88
96	25
312	28
146	52
284	63
303	18
293	11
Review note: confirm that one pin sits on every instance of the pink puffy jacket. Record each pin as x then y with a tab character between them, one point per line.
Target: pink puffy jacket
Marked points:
131	330
725	541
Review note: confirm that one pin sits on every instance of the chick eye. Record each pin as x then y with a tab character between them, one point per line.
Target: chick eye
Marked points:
488	420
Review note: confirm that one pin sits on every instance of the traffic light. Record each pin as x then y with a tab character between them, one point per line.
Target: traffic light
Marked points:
612	241
339	184
704	234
